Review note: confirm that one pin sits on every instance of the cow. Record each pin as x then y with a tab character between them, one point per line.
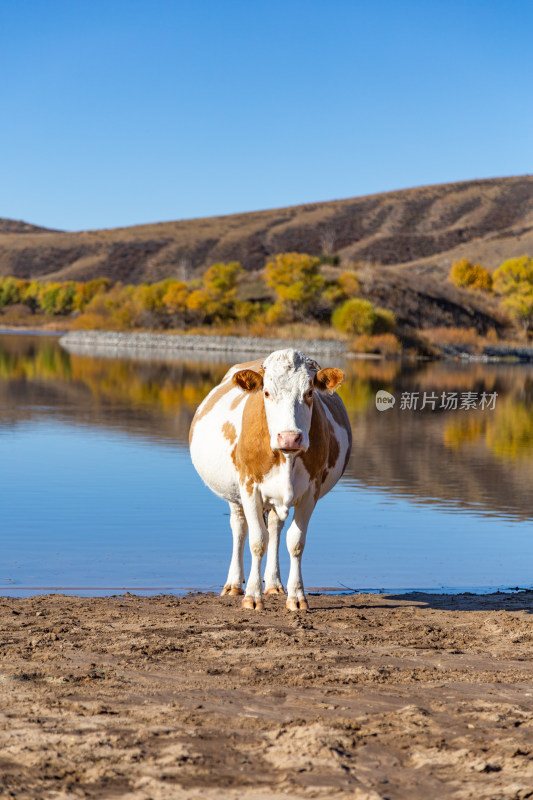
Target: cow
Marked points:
271	436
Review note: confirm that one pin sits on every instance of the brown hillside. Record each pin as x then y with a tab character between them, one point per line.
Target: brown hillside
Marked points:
17	226
424	229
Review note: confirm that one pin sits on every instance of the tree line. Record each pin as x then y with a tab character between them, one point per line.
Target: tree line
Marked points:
512	282
293	290
296	289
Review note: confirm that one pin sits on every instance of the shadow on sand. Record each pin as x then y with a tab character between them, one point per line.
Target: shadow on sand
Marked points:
516	600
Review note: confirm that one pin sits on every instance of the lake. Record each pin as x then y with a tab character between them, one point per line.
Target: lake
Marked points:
99	496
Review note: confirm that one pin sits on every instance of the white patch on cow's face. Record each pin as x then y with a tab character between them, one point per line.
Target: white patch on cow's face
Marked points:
288	397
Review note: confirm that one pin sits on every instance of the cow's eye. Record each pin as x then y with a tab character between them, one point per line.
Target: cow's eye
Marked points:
310	393
267	394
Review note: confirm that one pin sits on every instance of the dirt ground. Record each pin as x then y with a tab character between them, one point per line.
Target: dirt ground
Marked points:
365	696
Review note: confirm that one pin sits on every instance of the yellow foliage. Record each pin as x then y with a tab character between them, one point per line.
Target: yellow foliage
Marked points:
514	274
86	290
175	297
349	284
296	280
519	304
354	316
278	313
470	276
464	431
387	344
215	298
514	280
510	433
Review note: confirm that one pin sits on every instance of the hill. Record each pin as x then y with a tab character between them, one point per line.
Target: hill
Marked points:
405	241
425	228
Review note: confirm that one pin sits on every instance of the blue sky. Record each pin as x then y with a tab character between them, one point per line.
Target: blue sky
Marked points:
120	112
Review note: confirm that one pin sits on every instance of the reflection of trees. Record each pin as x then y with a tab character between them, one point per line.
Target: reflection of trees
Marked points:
510	432
46	362
164	387
167	388
464	430
507	431
457	457
176	389
363	379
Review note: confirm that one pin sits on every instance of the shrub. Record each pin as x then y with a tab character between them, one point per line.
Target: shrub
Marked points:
175	298
297	283
386	344
15	313
514	280
91	321
354	316
349	284
215	297
454	336
514	274
385	321
65	299
470	276
48	296
520	307
30	296
85	291
11	291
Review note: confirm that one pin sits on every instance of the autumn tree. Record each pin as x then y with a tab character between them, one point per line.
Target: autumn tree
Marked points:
215	297
354	316
470	276
86	290
175	301
297	283
11	291
513	280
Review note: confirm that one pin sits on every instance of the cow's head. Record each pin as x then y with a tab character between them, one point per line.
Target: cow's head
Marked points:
288	380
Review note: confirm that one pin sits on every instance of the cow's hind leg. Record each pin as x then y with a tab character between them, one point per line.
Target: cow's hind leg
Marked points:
296	599
239	529
272	578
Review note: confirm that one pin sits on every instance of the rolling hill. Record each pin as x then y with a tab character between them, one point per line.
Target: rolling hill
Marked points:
406	240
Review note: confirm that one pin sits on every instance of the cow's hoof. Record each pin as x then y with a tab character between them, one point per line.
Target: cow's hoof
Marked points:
275	590
250	603
297	605
231	590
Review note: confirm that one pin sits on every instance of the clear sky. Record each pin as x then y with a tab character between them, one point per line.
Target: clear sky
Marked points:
120	112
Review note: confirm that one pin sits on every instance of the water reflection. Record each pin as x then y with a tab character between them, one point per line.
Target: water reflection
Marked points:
478	459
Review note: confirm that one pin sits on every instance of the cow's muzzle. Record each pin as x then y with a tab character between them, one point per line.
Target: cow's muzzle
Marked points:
290	441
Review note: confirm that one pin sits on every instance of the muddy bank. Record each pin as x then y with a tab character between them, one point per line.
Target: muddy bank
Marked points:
370	697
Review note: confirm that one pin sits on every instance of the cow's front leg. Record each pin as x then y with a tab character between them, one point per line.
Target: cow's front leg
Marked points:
253	509
296	599
273	584
239	529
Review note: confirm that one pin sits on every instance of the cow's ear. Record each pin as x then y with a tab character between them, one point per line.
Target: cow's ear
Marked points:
328	379
248	380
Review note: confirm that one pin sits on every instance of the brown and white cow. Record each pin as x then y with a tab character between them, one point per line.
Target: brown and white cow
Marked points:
272	435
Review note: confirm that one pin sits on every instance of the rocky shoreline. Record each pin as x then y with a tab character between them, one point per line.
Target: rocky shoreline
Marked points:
163	345
115	343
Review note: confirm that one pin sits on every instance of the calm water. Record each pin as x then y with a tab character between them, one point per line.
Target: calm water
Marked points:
98	494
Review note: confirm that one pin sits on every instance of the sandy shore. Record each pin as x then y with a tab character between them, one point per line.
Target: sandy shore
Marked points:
365	696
